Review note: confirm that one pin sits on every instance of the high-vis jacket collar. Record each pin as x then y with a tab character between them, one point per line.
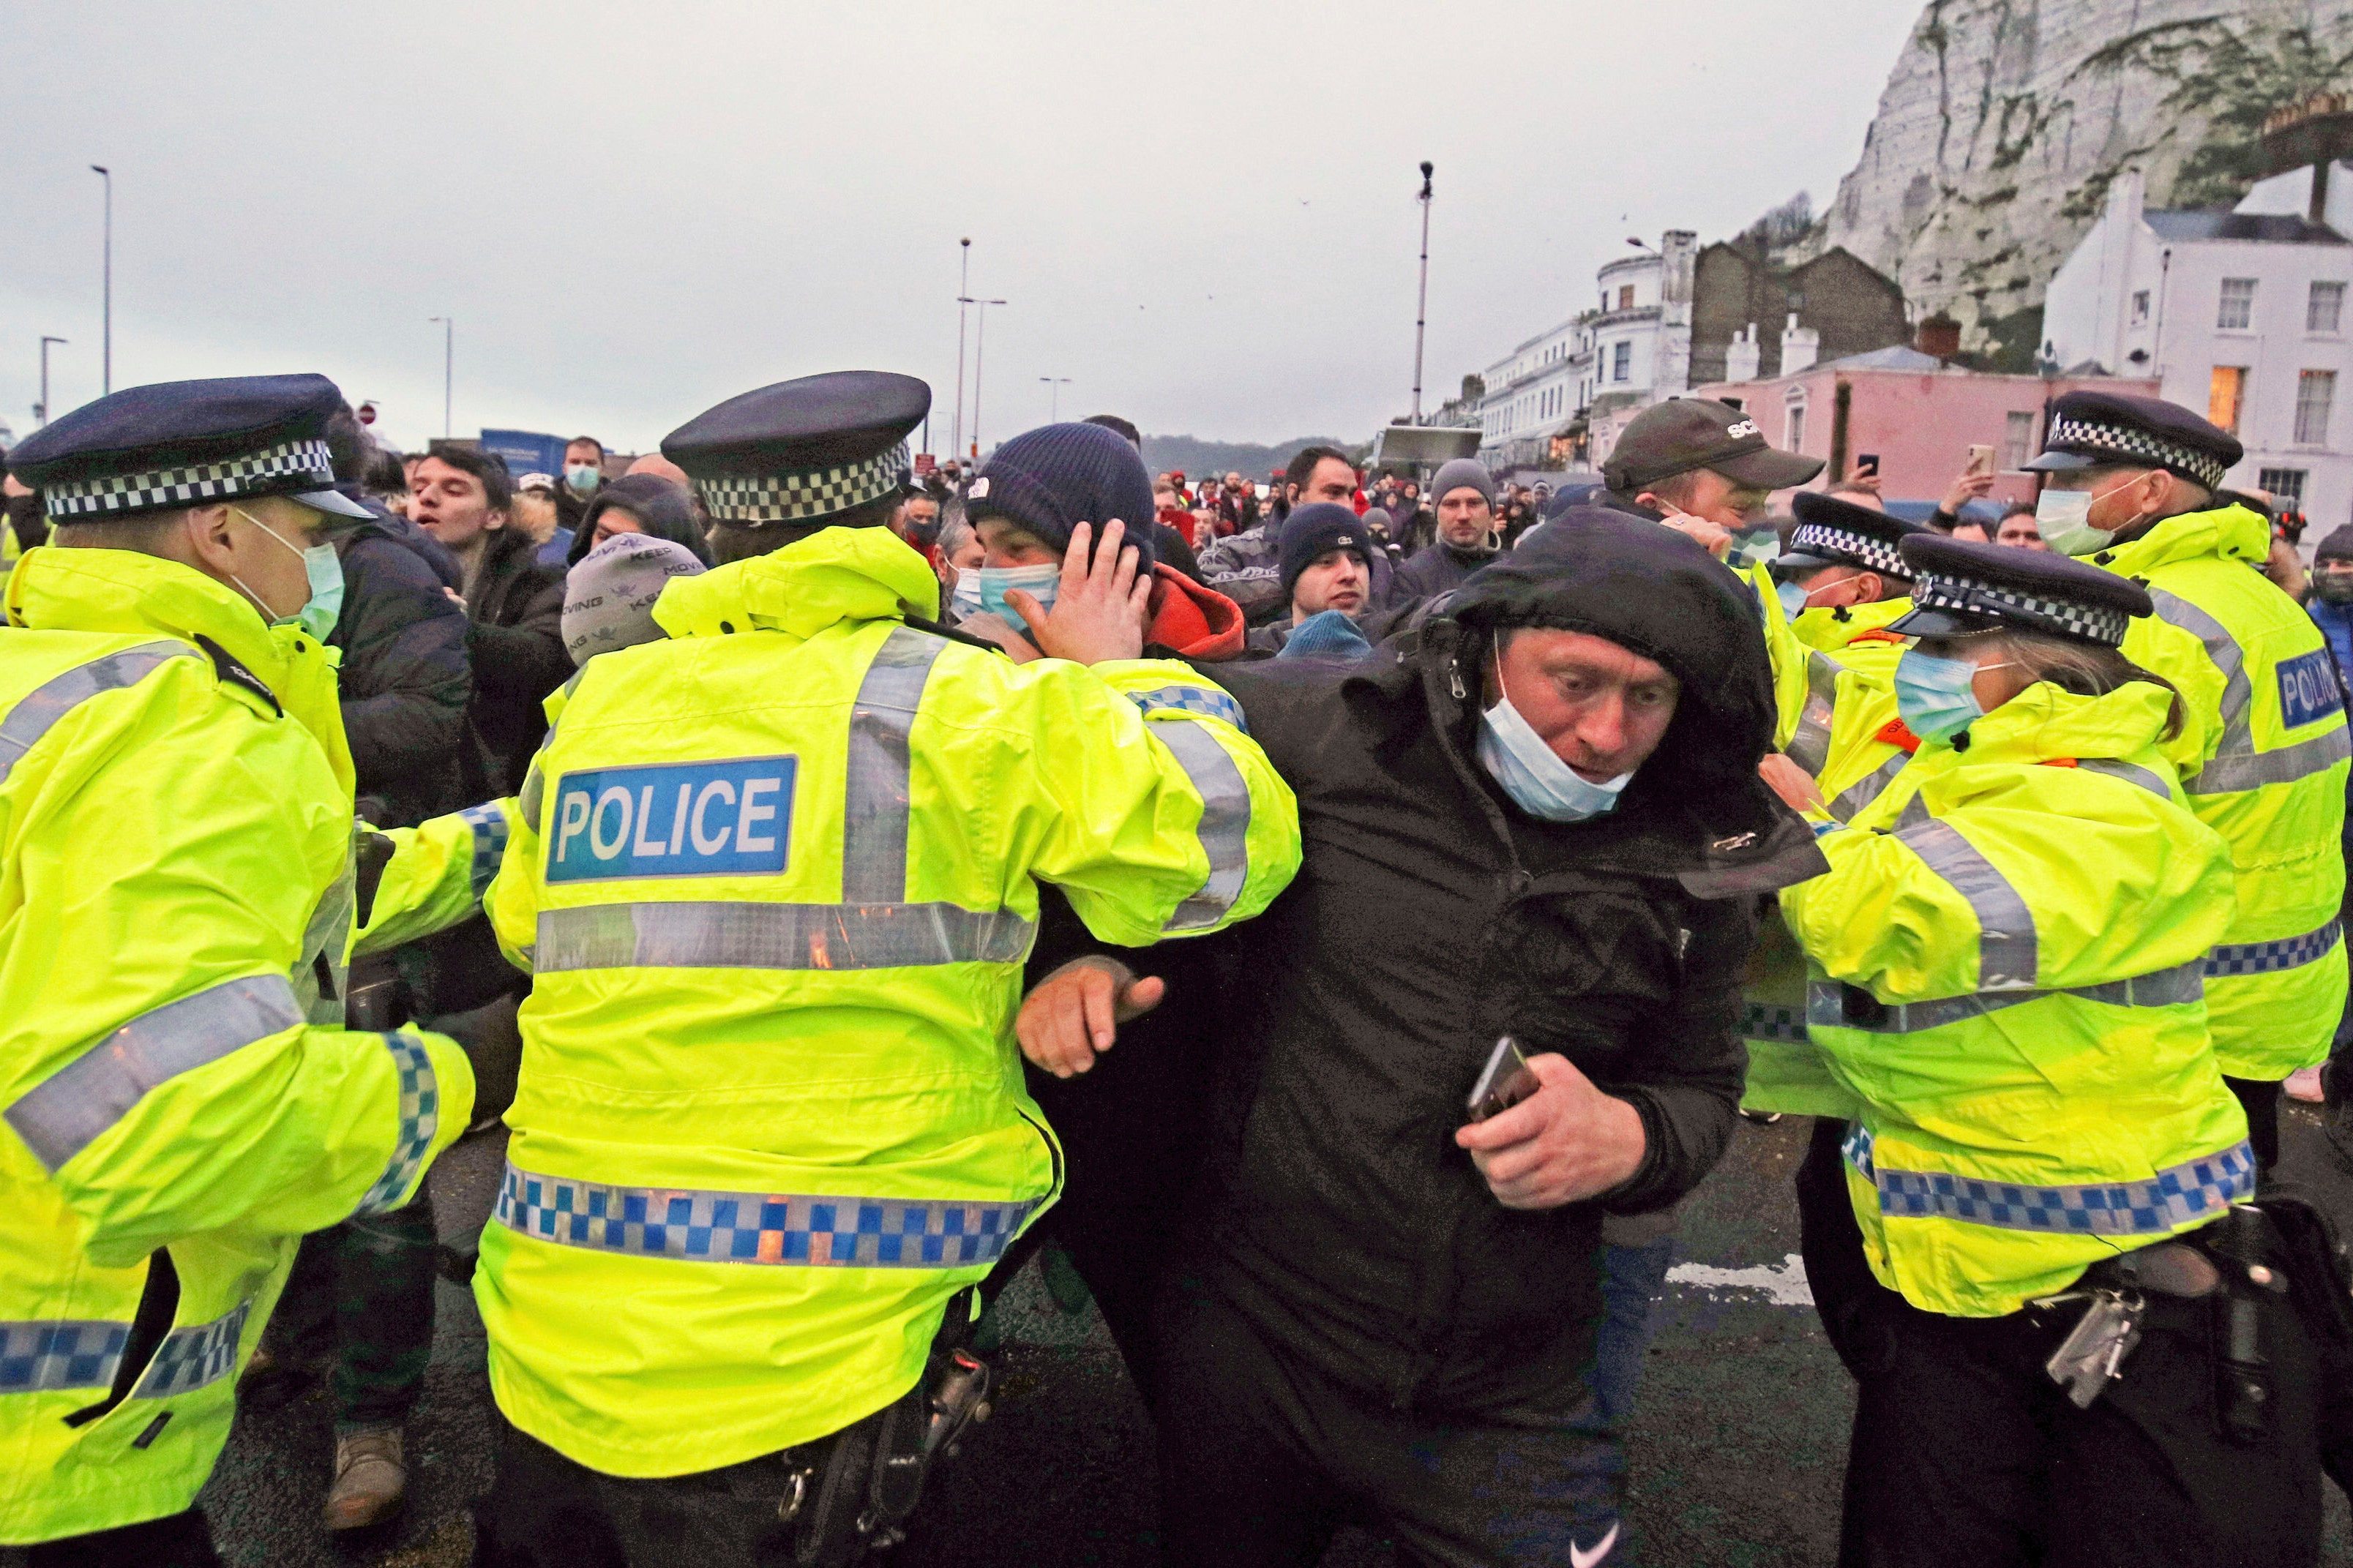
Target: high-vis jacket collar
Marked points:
55	589
2044	724
834	575
2231	533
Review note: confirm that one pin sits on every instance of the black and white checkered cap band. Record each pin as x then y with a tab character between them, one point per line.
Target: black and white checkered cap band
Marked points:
270	472
2123	441
1820	539
2093	623
803	495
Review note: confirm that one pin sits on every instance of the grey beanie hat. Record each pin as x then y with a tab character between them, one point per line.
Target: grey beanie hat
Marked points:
609	598
1460	472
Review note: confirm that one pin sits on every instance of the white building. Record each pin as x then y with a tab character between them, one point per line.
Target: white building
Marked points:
1605	364
2240	315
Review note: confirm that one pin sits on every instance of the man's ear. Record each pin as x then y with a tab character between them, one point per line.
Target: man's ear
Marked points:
209	538
1873	585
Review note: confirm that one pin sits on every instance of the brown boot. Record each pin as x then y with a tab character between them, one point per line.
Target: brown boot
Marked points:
371	1477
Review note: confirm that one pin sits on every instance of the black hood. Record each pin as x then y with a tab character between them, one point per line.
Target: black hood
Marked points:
1654	591
653	500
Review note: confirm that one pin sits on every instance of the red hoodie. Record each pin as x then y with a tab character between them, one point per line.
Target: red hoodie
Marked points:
1191	620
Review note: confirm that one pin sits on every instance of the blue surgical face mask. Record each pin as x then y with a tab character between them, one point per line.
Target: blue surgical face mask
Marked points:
583	478
1532	773
1040	583
2063	518
325	571
964	599
1793	600
1936	698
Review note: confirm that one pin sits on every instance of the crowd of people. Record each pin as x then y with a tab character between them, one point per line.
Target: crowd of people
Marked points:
772	844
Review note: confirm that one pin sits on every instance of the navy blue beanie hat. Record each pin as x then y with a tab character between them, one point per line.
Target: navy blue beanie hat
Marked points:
1309	530
1049	481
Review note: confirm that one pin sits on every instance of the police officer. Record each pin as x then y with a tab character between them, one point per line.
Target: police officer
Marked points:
2129	484
775	876
1843	579
2032	1250
182	1101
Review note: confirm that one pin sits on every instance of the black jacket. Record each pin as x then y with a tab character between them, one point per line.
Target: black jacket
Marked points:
1433	571
406	676
1430	917
516	605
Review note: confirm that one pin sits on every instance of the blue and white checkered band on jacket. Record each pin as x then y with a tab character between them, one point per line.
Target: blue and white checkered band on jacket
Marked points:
2127	444
2090	623
1841	544
802	495
289	465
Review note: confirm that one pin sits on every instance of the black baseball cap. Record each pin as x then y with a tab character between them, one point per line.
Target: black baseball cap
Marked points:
1687	433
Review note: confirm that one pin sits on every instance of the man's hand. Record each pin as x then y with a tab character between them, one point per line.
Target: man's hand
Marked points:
1101	611
1793	784
1074	1012
1966	489
1565	1143
1713	538
1865	476
990	626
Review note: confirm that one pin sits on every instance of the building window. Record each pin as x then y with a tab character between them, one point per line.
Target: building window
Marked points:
2324	309
2286	486
2018	439
2314	391
2238	312
1625	296
1621	363
1793	437
2140	308
2224	394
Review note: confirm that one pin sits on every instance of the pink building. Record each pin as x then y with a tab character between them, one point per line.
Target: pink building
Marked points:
1918	416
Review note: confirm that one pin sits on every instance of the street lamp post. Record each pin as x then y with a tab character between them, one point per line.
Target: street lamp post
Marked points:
964	293
979	358
1055	382
41	410
1421	301
106	353
449	360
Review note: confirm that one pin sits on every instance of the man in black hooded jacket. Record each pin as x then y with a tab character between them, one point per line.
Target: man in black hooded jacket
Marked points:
1380	1313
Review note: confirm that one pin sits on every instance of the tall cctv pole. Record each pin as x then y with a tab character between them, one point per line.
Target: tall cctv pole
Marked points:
106	355
1057	382
1421	301
41	413
448	363
963	297
979	356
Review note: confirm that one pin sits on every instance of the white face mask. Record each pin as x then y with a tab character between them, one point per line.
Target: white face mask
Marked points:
2065	519
1532	773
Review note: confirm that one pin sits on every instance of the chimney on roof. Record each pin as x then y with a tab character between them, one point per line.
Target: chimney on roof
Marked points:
1939	337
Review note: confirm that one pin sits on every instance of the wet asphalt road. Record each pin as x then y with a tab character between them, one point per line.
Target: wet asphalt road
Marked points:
1735	1458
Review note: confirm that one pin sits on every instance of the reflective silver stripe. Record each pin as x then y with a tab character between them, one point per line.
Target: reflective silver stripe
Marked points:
2187	1193
1810	747
776	936
2236	958
327	935
2238	692
38	711
1827	1001
1863	791
1225	819
64	1113
2227	775
38	1357
760	1227
2131	774
1913	814
488	826
420	1118
2006	940
875	804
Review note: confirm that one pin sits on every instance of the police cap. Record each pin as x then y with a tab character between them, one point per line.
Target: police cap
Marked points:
1834	532
2105	429
176	443
1960	586
801	451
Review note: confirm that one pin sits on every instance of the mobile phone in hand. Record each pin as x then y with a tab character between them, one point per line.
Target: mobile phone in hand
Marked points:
1868	463
1506	1081
1980	461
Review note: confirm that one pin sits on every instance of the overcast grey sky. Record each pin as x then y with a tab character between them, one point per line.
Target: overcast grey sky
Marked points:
1202	214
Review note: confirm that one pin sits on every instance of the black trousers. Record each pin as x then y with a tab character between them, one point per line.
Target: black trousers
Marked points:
1262	1461
360	1298
2260	1099
1966	1453
178	1541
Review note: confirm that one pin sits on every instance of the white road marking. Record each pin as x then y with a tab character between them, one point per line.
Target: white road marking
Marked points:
1784	1285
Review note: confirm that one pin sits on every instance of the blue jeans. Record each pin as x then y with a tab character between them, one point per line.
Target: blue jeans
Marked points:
1633	1277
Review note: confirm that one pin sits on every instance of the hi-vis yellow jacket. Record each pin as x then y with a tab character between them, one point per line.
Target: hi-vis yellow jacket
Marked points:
776	878
2271	781
182	1101
2008	965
